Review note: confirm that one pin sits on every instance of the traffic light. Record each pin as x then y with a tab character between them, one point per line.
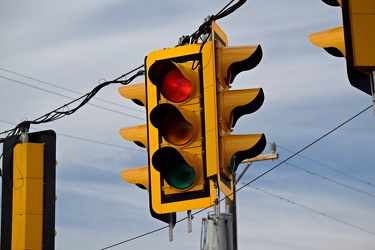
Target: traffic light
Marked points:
353	40
229	105
138	135
29	192
178	172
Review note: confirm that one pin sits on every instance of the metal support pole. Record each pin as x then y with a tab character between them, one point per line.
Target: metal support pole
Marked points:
232	209
217	205
170	227
189	219
232	204
218	232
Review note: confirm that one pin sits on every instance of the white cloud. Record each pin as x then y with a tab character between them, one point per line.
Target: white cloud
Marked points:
76	43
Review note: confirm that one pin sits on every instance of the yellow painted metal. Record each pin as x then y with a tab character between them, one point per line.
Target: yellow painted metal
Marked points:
226	63
27	206
362	27
137	176
210	104
135	92
191	151
230	100
231	144
228	57
356	38
331	38
137	134
218	34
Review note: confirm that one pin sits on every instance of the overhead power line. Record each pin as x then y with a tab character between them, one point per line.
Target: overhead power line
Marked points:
306	147
71	98
329	179
59	87
331	168
65	110
87	140
260	176
312	210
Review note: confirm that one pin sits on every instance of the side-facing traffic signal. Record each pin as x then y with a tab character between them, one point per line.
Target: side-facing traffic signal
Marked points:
229	105
29	191
353	40
178	165
138	135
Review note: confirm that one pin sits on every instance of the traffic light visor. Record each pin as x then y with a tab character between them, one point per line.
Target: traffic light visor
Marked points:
135	92
231	61
331	40
236	148
137	176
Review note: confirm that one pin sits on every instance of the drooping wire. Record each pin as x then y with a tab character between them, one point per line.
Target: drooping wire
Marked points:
205	27
306	147
258	177
65	111
328	167
312	210
329	179
204	30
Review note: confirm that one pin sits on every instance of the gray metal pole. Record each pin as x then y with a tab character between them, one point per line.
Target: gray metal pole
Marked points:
232	209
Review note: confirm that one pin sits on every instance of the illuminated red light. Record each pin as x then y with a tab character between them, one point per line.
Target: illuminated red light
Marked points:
175	87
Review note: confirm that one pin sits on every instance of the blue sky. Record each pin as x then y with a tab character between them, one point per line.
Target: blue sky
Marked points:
322	198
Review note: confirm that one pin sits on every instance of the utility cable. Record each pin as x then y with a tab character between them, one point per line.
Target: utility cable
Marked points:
312	210
306	147
59	87
329	179
71	98
257	178
205	27
85	139
326	166
65	111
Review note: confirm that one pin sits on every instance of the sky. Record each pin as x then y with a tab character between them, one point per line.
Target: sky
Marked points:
322	198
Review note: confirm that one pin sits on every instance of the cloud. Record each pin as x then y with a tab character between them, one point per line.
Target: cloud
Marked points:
76	43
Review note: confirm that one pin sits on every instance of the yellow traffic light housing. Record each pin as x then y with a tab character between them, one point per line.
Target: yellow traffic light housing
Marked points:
353	40
138	135
175	121
191	114
226	150
28	204
27	223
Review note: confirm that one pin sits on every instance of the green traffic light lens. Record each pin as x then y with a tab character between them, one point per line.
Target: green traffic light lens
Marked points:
179	174
178	168
232	165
